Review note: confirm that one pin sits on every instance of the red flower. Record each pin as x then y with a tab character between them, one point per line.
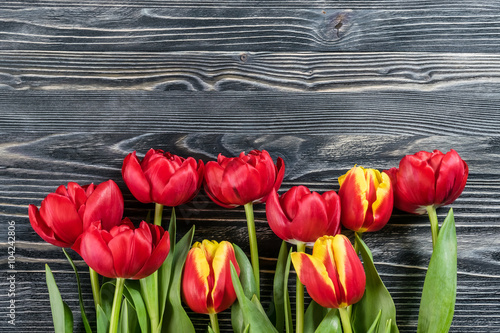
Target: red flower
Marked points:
68	212
300	215
426	179
124	252
162	177
367	199
236	181
333	274
206	281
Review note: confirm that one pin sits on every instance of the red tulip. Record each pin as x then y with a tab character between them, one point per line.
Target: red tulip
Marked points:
236	181
162	178
333	274
367	199
68	212
206	281
300	215
124	252
428	179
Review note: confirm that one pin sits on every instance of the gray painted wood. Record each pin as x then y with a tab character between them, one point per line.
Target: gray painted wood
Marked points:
324	85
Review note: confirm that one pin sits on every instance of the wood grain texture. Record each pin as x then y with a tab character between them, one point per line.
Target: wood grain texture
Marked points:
387	113
250	71
445	28
34	165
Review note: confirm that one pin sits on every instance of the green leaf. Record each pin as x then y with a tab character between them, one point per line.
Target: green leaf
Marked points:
128	318
388	325
62	316
80	297
102	320
247	329
132	293
247	280
278	288
165	270
175	318
107	294
314	316
331	323
286	299
376	323
376	298
440	287
210	330
252	312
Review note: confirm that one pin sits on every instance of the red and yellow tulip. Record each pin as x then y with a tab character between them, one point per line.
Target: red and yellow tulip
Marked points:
333	274
366	198
206	281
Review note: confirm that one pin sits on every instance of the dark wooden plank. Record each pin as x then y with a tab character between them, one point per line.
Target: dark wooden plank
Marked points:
245	71
33	165
444	28
386	113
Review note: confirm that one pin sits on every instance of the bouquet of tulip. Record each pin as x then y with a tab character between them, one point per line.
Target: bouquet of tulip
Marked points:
141	276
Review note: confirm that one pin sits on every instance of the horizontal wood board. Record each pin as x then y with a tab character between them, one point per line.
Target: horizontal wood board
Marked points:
322	84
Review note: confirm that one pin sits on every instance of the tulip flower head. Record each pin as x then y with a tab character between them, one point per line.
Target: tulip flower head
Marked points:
366	197
67	213
428	179
236	181
333	274
162	178
124	251
300	215
206	280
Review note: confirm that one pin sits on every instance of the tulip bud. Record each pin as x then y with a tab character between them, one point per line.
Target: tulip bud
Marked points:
236	181
428	179
68	212
162	178
300	215
367	199
206	280
124	252
333	274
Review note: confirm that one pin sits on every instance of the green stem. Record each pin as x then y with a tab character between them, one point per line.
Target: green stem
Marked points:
299	297
254	252
149	291
346	320
117	303
356	247
96	288
158	213
214	322
431	210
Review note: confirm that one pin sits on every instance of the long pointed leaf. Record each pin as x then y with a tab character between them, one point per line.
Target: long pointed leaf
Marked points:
331	323
286	300
376	297
314	315
133	294
376	323
278	288
80	297
252	312
61	313
440	287
175	318
102	320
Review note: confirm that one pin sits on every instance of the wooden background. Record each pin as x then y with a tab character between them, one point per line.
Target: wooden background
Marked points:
323	84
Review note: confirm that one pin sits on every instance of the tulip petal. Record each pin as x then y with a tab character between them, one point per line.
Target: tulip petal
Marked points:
450	180
312	274
333	210
130	249
278	221
182	186
350	270
195	288
41	228
241	183
93	248
105	204
382	207
223	294
161	248
290	200
353	198
135	179
60	214
415	185
77	194
311	220
212	184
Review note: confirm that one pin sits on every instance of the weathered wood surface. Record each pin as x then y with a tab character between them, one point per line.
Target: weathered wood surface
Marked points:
324	85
